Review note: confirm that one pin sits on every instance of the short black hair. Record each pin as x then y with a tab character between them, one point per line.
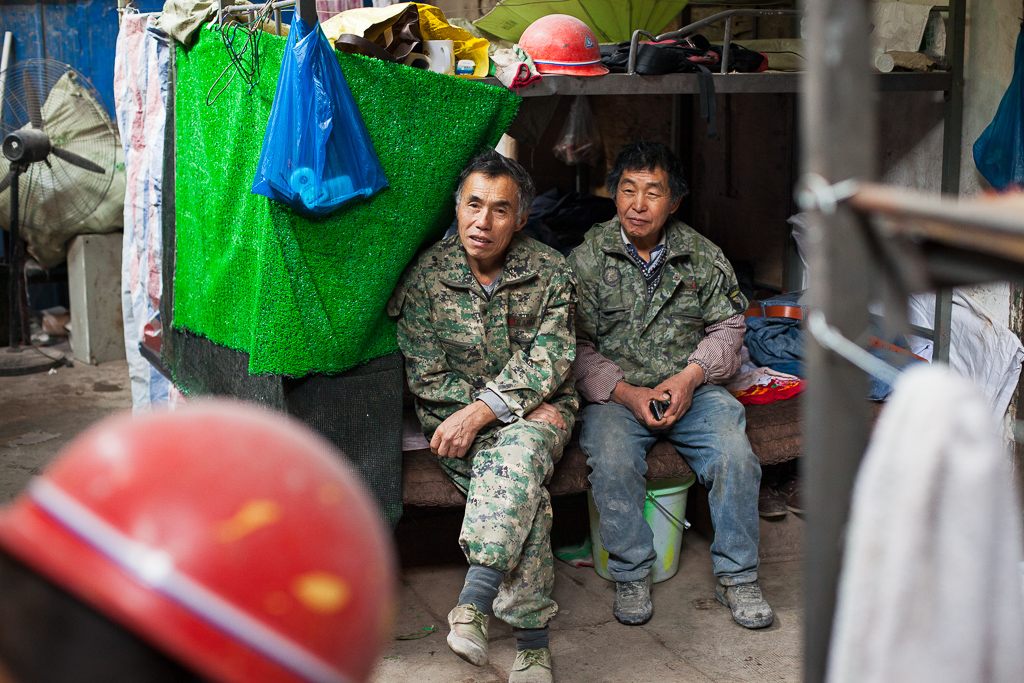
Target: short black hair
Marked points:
492	164
647	156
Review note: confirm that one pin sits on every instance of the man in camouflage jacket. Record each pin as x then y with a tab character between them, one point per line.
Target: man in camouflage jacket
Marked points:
659	323
485	325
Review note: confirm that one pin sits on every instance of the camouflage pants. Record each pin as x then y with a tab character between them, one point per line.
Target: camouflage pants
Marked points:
507	524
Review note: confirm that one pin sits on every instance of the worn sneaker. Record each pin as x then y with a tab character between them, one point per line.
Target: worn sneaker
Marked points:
771	504
532	666
633	601
794	500
468	635
748	606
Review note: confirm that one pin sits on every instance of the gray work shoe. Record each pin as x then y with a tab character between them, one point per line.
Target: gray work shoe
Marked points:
748	606
532	666
633	601
468	635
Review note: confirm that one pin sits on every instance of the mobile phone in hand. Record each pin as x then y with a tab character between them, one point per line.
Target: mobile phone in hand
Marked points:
658	408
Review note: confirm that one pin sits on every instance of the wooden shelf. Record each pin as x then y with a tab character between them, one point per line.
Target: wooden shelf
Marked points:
725	84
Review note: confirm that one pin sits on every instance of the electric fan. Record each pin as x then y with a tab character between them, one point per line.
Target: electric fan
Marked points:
59	151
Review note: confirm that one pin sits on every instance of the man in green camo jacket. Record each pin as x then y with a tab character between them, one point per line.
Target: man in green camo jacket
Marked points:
659	327
485	325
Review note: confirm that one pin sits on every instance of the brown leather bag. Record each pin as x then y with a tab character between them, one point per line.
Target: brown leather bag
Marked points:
399	42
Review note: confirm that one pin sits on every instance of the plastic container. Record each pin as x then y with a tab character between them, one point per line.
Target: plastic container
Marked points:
664	512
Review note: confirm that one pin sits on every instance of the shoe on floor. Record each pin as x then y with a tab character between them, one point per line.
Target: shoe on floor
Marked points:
633	601
532	666
468	635
791	492
749	608
771	504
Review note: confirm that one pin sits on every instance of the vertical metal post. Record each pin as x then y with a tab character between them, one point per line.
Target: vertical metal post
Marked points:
727	45
306	10
839	133
952	139
13	330
14	268
5	61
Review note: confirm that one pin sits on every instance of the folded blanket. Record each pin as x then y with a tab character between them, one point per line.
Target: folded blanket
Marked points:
299	295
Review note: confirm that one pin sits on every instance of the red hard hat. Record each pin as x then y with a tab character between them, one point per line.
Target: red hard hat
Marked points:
231	538
561	44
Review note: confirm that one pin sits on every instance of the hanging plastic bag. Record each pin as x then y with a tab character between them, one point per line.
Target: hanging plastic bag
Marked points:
580	140
316	152
999	151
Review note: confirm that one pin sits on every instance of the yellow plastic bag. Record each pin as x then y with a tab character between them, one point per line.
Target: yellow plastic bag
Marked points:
371	22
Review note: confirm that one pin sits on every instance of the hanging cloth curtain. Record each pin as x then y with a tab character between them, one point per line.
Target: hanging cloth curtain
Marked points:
931	584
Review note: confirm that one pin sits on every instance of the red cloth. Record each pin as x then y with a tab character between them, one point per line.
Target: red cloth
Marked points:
777	389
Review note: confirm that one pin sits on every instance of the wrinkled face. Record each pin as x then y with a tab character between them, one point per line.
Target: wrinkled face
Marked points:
644	203
488	218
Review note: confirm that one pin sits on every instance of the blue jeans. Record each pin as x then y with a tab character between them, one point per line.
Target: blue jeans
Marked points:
712	437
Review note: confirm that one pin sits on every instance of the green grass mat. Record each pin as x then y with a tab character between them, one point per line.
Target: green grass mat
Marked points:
301	295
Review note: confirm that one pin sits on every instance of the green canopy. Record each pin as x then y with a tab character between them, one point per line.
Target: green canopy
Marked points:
613	21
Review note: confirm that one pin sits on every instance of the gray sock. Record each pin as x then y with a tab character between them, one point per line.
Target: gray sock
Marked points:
481	587
531	638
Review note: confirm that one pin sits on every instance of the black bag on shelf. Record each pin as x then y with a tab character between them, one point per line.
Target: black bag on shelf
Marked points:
681	55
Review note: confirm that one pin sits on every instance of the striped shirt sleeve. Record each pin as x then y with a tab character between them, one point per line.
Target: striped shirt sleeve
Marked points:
718	353
596	376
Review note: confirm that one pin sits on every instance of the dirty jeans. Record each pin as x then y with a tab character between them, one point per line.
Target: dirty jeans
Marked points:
712	437
507	524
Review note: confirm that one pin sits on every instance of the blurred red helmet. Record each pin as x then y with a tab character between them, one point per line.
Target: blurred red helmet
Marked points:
232	538
561	44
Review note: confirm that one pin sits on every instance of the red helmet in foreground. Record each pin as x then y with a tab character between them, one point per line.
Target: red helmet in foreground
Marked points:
561	44
231	538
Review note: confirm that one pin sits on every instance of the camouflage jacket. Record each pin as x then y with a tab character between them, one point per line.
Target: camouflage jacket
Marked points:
456	342
651	340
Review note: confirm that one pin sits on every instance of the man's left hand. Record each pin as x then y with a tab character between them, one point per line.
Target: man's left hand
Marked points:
680	388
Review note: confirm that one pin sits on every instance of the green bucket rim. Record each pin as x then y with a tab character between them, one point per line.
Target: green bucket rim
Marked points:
666	487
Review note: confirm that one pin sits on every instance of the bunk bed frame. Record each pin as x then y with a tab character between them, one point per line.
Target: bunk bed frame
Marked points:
870	234
839	130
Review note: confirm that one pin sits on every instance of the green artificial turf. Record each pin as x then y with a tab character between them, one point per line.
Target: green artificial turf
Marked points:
303	295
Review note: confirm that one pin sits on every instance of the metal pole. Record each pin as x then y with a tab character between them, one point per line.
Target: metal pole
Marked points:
839	133
726	45
14	272
952	139
5	61
306	10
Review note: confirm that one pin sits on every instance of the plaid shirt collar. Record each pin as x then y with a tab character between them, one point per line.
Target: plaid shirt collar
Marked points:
651	270
656	253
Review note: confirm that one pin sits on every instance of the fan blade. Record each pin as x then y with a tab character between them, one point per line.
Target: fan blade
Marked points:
6	181
35	114
80	162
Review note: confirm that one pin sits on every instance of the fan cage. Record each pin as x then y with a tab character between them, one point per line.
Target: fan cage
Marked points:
55	192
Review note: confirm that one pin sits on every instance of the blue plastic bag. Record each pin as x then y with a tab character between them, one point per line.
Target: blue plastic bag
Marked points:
999	151
316	152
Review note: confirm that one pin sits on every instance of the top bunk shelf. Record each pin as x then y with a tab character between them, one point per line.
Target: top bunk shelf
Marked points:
632	83
725	84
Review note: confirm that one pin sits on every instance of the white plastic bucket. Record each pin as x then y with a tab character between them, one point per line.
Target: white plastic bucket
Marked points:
664	511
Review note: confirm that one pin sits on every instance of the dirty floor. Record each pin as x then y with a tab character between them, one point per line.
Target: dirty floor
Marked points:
690	638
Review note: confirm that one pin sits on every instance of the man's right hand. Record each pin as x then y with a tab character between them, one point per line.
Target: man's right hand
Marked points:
455	435
638	400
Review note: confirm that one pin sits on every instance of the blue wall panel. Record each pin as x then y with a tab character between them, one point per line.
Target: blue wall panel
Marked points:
82	34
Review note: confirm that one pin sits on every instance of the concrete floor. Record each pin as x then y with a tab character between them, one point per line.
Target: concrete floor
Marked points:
690	638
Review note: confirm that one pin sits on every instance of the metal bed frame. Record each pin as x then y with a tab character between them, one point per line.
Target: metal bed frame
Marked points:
866	231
